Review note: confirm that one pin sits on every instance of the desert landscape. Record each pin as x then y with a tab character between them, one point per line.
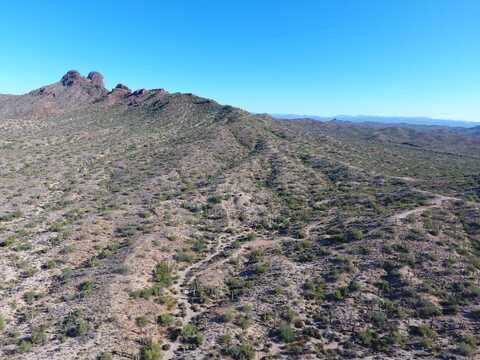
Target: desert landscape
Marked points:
154	225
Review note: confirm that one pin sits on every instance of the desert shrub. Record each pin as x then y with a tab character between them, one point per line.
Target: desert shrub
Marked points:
106	253
151	351
426	334
354	234
379	318
286	333
340	293
31	296
38	335
314	290
24	346
467	346
199	246
85	288
214	199
261	268
163	274
67	274
466	349
228	316
426	309
184	256
51	264
190	334
9	241
141	321
122	269
237	286
244	351
147	293
74	325
243	322
200	294
93	262
11	216
105	356
366	337
251	236
165	320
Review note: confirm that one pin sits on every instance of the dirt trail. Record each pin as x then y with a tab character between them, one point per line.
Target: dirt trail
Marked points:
187	276
437	201
180	290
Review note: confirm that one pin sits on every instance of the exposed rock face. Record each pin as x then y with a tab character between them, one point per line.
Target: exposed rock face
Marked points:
140	92
122	87
96	78
73	91
70	78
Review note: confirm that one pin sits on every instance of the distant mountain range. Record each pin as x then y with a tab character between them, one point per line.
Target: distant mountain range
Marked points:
384	120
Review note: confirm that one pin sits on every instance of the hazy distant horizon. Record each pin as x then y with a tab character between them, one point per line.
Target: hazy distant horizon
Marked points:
418	120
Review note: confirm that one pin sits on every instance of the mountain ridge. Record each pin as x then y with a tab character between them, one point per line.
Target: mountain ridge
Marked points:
394	120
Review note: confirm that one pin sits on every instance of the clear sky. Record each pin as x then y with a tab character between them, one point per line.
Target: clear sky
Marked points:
383	57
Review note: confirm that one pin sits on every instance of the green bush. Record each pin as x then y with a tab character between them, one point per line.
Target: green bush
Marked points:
244	351
38	335
85	288
426	309
93	262
366	337
286	333
251	236
151	351
165	320
30	297
24	346
141	321
9	241
354	234
189	334
75	325
163	274
228	316
427	335
243	322
67	274
105	356
466	349
51	264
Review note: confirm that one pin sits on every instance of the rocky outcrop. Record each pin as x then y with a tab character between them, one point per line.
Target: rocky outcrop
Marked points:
96	78
75	91
70	78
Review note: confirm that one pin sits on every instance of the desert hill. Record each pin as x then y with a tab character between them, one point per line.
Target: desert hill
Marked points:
154	225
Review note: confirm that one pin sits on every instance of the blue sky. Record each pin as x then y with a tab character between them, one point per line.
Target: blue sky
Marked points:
383	57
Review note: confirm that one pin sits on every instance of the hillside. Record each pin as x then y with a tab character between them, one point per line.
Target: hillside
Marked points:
148	225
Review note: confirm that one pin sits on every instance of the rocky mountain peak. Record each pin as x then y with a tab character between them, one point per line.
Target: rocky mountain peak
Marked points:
96	78
122	87
73	77
70	78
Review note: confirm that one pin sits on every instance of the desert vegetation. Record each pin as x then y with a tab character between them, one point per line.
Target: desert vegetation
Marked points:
151	225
